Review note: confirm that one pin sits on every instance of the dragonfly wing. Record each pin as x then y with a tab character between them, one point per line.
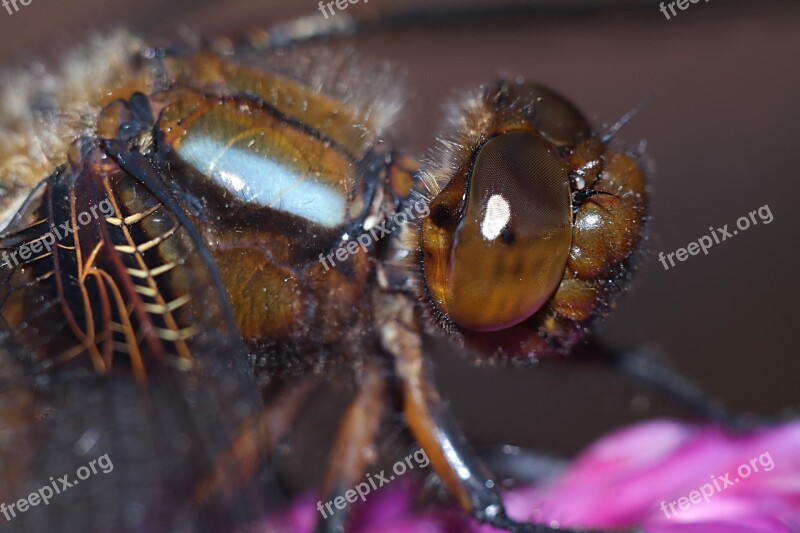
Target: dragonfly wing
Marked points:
117	342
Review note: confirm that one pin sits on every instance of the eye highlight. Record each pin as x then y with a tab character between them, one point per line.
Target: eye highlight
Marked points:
496	218
511	243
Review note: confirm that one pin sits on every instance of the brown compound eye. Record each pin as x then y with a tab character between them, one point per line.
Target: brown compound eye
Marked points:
552	116
497	262
510	265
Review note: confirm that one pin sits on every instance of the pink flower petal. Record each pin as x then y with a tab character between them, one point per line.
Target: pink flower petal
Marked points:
651	474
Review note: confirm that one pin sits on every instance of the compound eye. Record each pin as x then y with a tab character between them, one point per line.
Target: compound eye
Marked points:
555	118
509	249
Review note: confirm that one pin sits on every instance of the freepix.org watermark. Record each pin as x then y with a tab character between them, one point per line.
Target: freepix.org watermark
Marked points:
717	236
341	5
373	482
375	233
56	486
12	6
56	233
720	483
683	5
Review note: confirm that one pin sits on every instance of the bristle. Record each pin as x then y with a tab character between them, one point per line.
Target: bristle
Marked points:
374	91
465	129
42	112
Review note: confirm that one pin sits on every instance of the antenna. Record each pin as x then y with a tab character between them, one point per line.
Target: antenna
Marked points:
627	117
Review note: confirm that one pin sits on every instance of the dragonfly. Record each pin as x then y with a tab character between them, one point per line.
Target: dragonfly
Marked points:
233	226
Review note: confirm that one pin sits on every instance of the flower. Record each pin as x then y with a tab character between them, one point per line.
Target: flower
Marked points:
671	477
666	477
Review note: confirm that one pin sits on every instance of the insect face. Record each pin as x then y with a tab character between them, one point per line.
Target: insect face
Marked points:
532	223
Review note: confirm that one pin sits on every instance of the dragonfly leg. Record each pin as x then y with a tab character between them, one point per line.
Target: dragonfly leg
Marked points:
467	479
642	367
352	453
254	440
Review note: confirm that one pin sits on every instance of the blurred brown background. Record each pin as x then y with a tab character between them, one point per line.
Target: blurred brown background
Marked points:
721	128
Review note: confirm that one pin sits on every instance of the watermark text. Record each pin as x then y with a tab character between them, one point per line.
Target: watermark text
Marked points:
717	236
56	233
374	233
56	486
720	483
373	482
683	5
341	5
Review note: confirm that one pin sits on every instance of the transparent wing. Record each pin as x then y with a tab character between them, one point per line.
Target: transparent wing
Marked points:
117	342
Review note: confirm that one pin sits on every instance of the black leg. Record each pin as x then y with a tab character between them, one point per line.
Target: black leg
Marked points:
315	27
468	481
649	371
